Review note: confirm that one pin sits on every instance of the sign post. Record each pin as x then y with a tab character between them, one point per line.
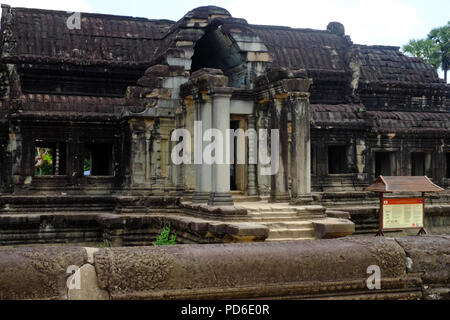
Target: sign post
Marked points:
402	213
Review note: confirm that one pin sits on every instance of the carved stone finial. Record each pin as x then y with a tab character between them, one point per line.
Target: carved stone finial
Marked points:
336	28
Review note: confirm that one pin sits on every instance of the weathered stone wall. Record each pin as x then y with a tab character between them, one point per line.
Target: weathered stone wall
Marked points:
410	268
120	229
362	147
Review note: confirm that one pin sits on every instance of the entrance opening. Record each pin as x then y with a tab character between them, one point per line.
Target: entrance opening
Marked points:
313	159
385	164
50	159
337	159
98	159
234	125
448	165
421	164
417	164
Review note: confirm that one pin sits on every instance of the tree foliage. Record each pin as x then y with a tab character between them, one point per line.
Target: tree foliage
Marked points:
43	161
435	49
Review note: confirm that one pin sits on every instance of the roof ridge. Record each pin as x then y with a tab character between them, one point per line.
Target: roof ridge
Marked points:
262	26
93	14
396	48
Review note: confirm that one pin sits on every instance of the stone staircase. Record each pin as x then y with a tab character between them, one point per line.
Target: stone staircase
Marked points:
294	230
286	223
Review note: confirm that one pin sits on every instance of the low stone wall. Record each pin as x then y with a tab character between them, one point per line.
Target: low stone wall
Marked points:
120	229
410	268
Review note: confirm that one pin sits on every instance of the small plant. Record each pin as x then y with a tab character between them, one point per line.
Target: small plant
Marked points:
105	244
165	238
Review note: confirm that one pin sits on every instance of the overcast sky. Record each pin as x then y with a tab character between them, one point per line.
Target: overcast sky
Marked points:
385	22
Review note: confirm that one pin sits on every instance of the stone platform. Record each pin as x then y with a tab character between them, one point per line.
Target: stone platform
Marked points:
285	221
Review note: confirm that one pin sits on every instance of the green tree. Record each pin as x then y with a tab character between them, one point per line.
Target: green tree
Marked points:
435	49
441	37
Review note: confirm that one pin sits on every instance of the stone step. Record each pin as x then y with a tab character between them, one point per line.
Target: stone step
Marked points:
289	225
291	233
289	239
280	211
245	199
274	219
273	214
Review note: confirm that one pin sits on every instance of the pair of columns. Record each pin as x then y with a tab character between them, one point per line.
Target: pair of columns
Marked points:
213	180
298	164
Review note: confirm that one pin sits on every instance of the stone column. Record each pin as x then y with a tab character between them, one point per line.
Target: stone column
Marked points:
203	173
301	151
148	174
221	194
140	160
279	191
252	150
263	181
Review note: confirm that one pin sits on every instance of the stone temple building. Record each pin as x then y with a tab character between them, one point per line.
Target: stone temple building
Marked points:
88	107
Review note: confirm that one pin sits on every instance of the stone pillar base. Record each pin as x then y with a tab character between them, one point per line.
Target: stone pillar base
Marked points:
280	197
200	197
301	200
220	199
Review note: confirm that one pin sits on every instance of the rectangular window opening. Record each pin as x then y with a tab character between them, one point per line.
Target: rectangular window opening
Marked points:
50	159
98	159
337	159
385	164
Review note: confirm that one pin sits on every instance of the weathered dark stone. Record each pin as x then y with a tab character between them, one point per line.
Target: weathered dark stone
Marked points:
336	28
158	71
430	257
290	269
37	273
206	71
150	82
332	269
335	228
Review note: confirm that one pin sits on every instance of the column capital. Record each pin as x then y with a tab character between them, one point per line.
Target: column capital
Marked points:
204	80
221	92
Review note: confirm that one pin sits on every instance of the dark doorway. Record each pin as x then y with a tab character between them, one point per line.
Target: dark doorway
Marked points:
385	164
98	159
234	125
337	159
418	164
448	165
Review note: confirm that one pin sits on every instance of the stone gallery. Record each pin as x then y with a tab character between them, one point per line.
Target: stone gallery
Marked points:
233	139
90	105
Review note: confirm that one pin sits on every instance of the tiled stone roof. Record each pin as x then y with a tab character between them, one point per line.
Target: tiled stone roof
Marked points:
388	64
43	35
304	48
340	69
357	117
